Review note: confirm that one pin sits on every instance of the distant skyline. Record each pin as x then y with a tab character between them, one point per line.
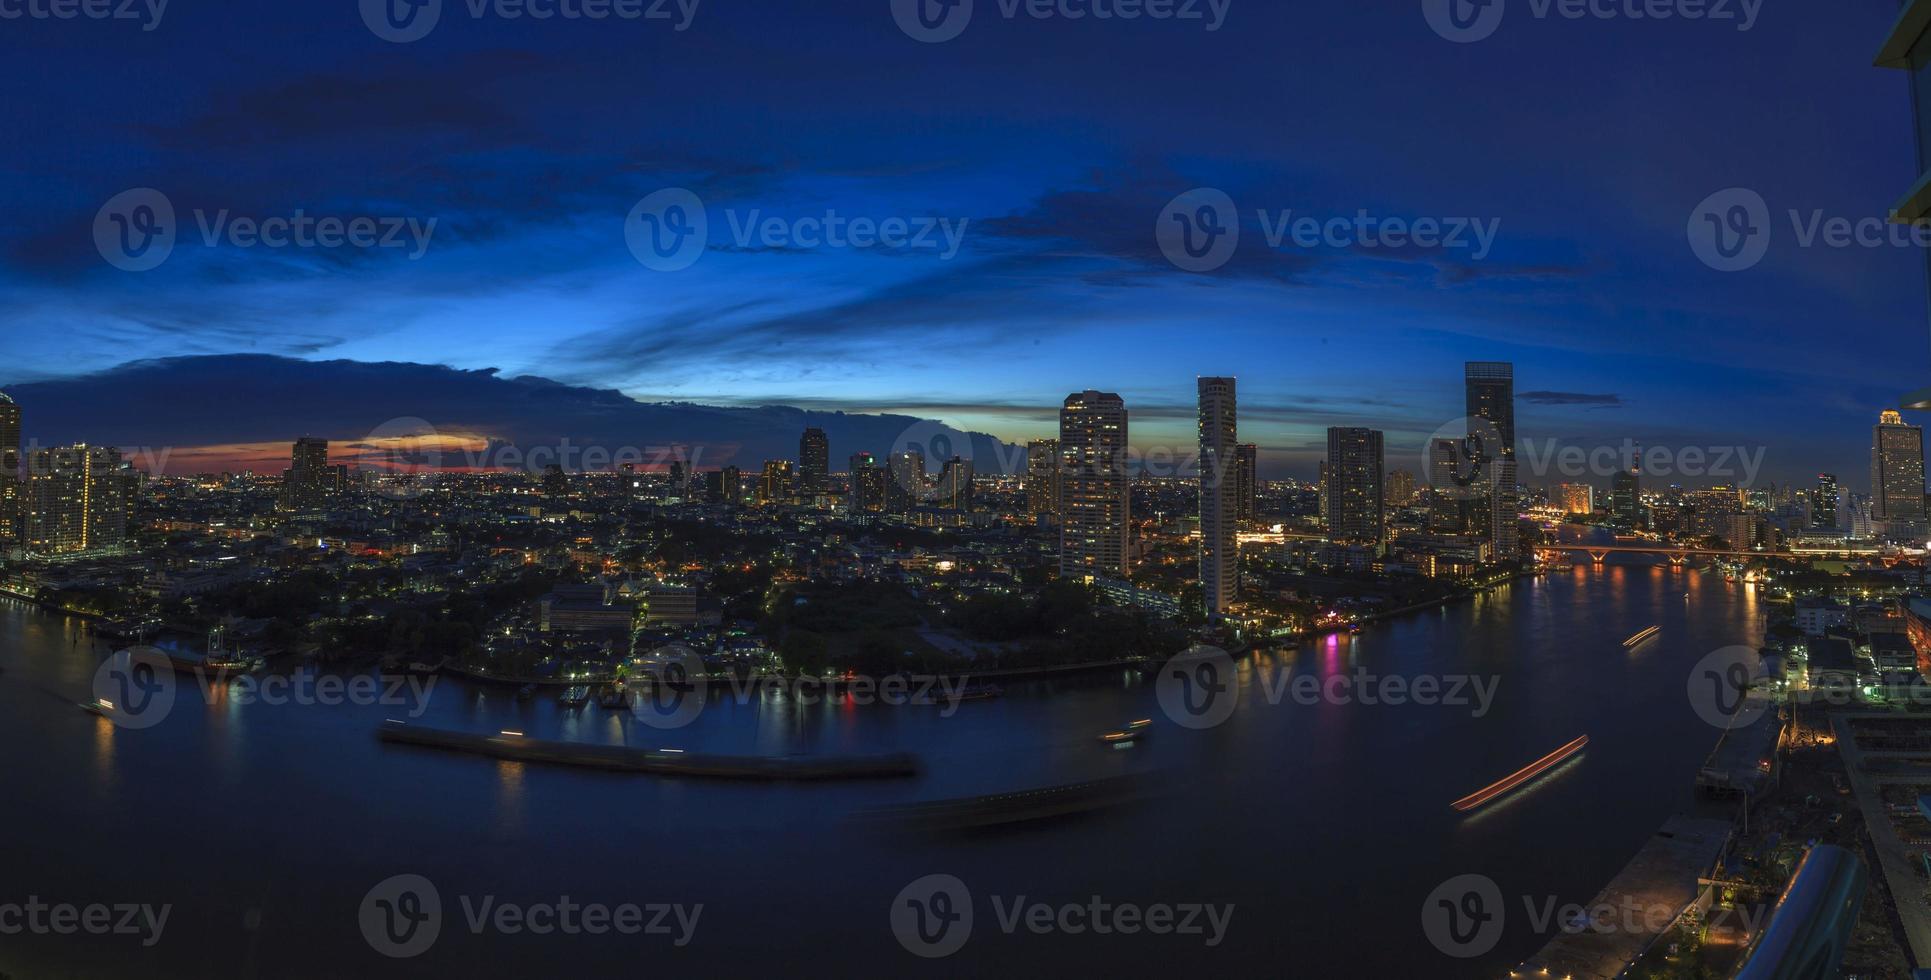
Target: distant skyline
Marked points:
1054	145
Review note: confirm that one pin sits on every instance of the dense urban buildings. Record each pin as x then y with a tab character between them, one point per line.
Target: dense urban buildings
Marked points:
1897	477
1356	512
1095	502
1219	494
76	501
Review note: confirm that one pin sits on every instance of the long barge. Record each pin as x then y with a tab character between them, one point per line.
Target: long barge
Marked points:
513	746
1020	806
1520	777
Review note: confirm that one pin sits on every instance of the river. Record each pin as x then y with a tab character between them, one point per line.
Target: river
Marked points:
1324	826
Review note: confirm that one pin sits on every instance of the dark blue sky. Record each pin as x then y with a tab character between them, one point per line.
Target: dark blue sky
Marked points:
1056	143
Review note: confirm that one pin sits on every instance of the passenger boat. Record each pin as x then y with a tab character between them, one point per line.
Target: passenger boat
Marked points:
575	697
1641	638
1520	778
613	697
1129	734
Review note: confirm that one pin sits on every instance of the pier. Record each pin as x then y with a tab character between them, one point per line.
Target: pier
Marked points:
662	762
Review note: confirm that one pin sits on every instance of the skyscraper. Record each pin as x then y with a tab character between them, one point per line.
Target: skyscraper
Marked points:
1626	496
1575	498
75	501
1353	490
1247	487
308	481
906	487
1042	477
1219	495
1824	502
1897	477
775	485
11	501
1401	488
867	492
1094	502
954	489
1490	390
814	463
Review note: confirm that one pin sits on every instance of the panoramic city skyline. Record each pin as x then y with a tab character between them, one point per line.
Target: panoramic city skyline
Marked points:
1589	284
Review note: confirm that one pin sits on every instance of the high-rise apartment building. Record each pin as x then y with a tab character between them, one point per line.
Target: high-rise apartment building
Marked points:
1219	495
11	501
1354	494
907	487
867	491
75	501
1626	496
1575	498
1897	477
1401	488
1094	502
814	463
309	480
1042	477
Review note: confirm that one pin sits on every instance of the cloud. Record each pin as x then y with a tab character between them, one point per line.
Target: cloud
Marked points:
1569	398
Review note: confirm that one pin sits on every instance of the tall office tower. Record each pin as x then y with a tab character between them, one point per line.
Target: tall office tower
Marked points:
1626	496
1042	477
1490	391
1452	506
1219	495
1095	503
305	486
814	463
1353	491
866	494
1576	498
1401	488
775	487
906	488
11	502
75	501
726	486
1823	503
1897	477
1321	484
680	478
954	489
1247	485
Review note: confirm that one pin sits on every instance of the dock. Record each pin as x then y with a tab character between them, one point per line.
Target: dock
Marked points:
1664	875
515	747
